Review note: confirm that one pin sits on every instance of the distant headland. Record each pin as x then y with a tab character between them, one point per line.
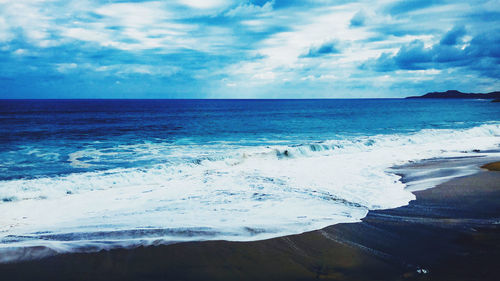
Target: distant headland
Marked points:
454	94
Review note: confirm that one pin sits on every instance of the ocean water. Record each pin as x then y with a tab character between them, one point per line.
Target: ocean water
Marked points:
84	175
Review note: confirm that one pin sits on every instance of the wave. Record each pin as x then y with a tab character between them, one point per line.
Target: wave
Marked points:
222	191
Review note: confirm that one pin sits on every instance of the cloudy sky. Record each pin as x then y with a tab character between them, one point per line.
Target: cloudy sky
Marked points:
247	49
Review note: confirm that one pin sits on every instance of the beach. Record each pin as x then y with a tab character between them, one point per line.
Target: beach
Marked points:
249	140
450	232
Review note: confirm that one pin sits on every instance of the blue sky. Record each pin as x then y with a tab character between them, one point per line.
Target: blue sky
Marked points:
247	49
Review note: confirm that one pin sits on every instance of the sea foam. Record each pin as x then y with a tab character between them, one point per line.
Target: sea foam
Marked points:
230	192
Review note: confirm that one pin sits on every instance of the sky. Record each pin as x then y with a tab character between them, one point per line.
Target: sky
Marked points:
247	49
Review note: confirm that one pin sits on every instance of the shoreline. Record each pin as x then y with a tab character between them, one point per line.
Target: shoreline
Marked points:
494	166
450	232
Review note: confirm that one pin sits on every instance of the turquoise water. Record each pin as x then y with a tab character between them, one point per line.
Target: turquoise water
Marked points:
91	174
39	136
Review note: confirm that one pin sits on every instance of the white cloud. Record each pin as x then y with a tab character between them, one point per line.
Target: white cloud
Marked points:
248	9
65	67
275	36
29	17
269	75
86	34
421	71
5	34
21	52
282	50
206	4
134	15
126	69
133	26
127	26
282	62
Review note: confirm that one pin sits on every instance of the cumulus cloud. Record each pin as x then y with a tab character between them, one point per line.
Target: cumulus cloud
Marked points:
206	4
480	54
5	34
358	19
453	36
65	67
324	49
251	48
249	9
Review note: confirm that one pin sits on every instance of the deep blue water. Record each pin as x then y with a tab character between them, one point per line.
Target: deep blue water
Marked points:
82	175
38	136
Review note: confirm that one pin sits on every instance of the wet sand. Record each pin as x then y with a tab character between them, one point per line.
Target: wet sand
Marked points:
495	166
451	232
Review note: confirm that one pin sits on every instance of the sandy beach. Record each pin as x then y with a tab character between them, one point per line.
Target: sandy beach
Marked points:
249	140
451	232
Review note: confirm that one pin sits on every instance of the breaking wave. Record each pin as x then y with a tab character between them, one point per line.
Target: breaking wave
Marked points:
220	191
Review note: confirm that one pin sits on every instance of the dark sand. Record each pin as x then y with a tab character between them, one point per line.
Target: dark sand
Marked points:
495	166
452	232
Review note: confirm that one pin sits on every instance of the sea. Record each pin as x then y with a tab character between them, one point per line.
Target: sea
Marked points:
86	175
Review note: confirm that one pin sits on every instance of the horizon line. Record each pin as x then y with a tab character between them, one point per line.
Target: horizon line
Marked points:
360	98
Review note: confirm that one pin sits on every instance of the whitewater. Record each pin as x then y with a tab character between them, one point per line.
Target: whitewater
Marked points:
219	190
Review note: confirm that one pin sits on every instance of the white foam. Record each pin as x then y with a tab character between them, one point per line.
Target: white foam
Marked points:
248	193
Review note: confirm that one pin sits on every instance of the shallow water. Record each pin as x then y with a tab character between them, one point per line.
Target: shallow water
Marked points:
85	175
